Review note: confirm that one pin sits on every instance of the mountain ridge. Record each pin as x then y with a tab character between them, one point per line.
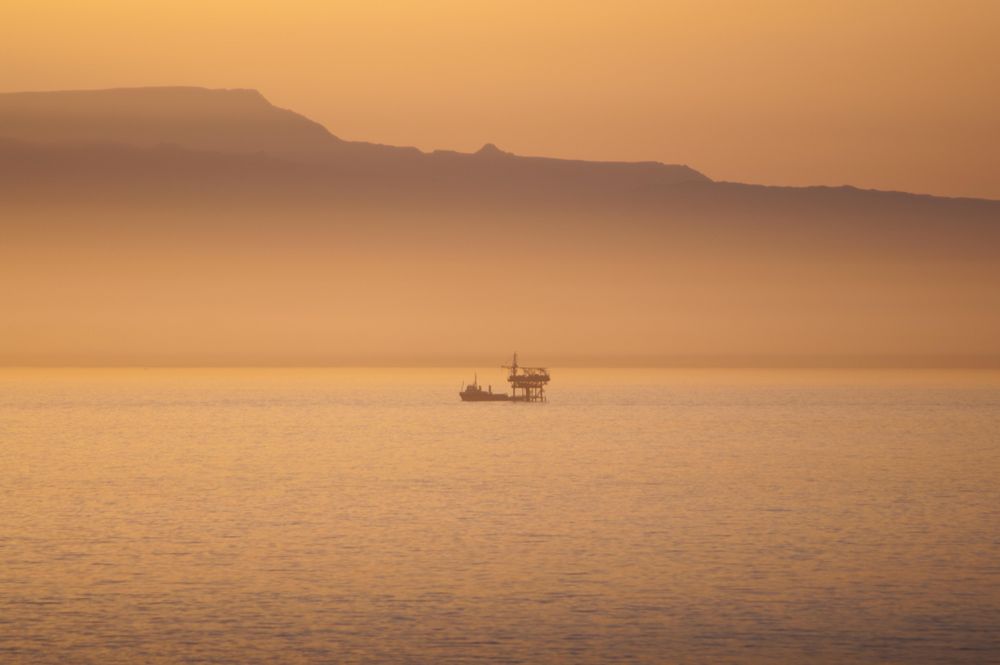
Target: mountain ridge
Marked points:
241	121
165	231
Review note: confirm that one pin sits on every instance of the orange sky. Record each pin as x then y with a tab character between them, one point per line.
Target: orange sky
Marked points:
892	94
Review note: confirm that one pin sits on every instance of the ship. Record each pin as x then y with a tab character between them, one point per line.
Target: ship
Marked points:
527	384
475	393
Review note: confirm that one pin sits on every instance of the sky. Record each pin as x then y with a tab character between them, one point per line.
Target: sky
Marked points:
886	94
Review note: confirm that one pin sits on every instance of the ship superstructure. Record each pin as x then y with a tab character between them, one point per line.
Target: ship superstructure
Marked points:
475	393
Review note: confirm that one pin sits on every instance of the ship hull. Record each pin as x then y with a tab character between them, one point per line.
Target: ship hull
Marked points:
484	397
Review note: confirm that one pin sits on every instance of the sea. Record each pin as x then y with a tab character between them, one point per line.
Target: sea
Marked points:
369	516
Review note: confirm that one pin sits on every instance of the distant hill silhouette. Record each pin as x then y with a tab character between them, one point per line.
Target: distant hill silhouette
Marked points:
178	146
192	225
192	146
239	121
244	122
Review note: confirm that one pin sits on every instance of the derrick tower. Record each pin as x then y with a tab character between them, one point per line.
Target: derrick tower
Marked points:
527	383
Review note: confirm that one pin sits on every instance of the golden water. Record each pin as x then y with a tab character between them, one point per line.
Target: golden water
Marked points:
655	516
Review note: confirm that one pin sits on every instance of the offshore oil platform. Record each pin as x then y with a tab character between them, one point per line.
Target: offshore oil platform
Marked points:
527	385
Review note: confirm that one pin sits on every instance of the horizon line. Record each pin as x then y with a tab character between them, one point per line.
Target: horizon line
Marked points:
846	362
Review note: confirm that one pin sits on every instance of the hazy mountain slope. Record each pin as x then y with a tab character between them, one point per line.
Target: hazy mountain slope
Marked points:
224	120
117	249
617	197
243	121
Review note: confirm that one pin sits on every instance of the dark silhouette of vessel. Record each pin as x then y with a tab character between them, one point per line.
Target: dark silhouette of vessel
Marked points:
527	383
475	393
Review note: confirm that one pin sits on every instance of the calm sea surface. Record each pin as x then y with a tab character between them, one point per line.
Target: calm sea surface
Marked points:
338	516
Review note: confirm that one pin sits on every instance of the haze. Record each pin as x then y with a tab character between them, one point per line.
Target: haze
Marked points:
895	95
226	186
